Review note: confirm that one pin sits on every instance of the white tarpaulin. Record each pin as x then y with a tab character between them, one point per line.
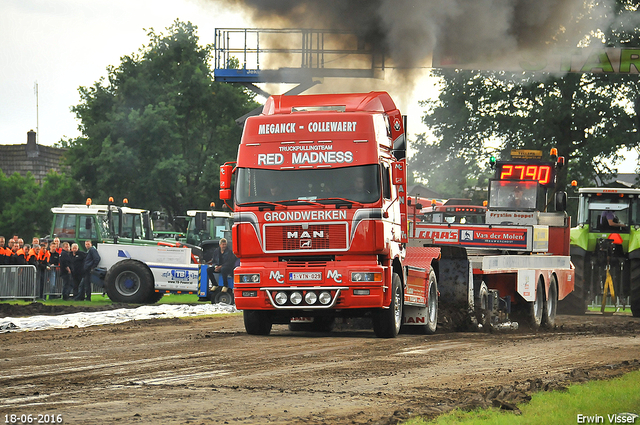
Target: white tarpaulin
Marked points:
84	319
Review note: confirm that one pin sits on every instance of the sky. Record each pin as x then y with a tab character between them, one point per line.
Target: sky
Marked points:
64	44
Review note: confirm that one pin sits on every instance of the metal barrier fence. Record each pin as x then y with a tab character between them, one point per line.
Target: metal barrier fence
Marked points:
29	282
621	302
18	282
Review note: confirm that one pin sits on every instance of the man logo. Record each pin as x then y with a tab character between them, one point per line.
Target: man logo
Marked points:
305	243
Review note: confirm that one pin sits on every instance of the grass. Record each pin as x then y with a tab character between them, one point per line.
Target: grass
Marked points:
601	398
99	300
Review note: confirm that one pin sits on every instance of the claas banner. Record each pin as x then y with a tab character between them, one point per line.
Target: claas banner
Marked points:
588	60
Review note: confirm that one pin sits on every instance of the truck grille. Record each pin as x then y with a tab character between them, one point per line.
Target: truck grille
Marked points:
314	238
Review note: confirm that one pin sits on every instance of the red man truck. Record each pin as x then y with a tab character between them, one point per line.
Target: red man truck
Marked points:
320	222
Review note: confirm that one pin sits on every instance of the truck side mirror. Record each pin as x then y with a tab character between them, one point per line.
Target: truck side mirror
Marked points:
561	201
201	221
226	171
398	173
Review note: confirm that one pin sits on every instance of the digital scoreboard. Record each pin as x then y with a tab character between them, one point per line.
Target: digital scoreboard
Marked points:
545	174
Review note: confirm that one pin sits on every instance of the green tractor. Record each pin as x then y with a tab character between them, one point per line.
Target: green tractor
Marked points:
607	237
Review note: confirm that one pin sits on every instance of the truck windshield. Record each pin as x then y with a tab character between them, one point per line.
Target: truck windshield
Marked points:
359	184
217	228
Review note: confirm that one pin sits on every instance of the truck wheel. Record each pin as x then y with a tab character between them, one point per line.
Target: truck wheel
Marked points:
576	302
224	297
432	303
387	321
550	307
129	281
634	287
257	322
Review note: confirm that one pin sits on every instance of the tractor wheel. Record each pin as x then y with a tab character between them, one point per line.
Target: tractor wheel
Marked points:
129	281
155	297
257	322
387	321
432	304
576	302
634	286
550	307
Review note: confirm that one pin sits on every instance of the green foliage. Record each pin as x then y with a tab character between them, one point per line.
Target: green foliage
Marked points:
25	206
587	117
158	128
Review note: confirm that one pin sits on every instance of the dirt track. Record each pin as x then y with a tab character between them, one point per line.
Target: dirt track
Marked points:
208	370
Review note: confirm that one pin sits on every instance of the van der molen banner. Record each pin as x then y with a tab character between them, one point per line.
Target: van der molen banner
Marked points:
607	60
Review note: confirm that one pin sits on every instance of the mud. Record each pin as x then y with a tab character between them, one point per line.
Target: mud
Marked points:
208	370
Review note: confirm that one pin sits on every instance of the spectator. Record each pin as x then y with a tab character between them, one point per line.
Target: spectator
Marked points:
223	262
34	254
53	266
3	253
65	270
77	264
35	241
41	267
91	261
56	240
19	257
21	243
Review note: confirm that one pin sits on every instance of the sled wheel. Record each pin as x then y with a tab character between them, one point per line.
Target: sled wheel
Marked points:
432	304
551	306
224	297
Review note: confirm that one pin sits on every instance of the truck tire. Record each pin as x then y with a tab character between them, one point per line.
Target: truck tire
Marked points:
387	321
634	286
575	302
551	306
257	322
129	281
432	305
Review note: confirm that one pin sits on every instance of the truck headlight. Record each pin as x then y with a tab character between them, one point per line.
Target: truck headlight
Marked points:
247	278
366	277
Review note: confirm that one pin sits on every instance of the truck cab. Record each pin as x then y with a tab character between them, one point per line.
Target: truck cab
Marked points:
102	223
320	211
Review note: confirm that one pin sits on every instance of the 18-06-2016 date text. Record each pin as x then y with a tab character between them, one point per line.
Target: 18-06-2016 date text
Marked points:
33	419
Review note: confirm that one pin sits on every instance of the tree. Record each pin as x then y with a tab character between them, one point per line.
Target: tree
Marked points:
157	130
25	206
587	117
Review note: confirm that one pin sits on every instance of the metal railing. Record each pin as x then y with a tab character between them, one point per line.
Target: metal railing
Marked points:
18	282
28	282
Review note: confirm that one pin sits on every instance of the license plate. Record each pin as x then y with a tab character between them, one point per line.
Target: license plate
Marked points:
305	276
